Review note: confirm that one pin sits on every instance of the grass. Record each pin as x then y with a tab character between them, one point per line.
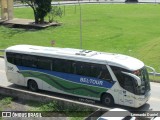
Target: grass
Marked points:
5	102
131	29
53	108
154	78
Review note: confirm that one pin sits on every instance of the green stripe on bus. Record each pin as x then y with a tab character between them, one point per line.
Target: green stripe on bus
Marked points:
67	86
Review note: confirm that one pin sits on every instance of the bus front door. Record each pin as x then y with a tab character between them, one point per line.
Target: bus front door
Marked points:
128	93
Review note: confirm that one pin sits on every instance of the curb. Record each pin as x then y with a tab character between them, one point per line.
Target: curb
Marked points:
64	102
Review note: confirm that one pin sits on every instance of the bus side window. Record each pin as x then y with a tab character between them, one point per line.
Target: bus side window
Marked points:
62	65
67	66
82	68
94	72
118	74
104	73
87	69
29	61
44	63
10	57
14	58
73	68
79	68
18	59
56	65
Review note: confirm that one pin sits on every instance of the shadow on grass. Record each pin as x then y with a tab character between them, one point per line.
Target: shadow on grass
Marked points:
10	32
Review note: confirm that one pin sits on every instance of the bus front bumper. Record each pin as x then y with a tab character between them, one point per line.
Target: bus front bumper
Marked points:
141	100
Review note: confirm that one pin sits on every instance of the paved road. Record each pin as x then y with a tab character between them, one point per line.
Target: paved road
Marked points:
152	105
91	2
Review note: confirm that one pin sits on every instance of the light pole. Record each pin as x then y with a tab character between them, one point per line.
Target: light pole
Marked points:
80	25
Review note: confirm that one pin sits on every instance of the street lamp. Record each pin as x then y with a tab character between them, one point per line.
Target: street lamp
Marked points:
80	25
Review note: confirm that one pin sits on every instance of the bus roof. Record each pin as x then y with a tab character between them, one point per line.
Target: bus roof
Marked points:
81	55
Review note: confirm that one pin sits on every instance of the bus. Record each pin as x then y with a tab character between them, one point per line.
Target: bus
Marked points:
107	77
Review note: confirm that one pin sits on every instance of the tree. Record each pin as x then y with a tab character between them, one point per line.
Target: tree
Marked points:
55	12
40	8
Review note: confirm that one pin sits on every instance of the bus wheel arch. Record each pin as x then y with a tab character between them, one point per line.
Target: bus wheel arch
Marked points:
107	99
32	85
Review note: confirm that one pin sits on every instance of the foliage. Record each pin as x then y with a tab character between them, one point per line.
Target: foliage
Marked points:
6	101
51	106
40	8
56	11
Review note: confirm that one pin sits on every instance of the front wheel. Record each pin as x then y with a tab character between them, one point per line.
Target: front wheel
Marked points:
32	85
107	100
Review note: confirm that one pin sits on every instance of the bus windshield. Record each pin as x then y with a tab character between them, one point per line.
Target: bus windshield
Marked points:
145	85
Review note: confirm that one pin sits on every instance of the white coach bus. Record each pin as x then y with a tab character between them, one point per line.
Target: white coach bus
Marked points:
107	77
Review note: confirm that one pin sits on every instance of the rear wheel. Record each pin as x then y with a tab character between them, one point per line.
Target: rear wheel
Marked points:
32	85
107	100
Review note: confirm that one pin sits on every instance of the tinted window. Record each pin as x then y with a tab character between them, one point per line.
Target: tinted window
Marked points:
128	83
44	63
29	61
94	70
104	73
57	65
125	81
67	66
14	58
118	74
61	65
17	59
10	57
91	70
79	67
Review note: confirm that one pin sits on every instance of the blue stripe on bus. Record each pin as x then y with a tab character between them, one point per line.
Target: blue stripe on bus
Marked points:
72	77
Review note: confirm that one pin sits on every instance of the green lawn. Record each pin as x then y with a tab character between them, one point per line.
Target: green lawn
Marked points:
132	29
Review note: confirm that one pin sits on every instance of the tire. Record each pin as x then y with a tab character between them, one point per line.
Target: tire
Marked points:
107	100
32	85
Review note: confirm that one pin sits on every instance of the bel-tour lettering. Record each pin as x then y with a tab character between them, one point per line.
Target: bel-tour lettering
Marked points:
91	81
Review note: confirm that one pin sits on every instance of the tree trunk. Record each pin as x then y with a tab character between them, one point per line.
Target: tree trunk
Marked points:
36	17
41	20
